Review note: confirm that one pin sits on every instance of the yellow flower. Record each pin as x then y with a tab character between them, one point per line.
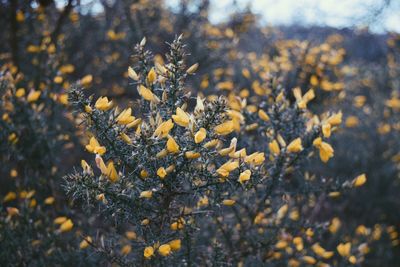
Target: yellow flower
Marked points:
126	250
33	96
147	94
162	153
112	172
224	128
49	201
352	121
326	130
274	147
211	143
227	167
130	235
200	135
282	211
360	180
151	76
20	16
295	146
178	225
88	109
352	259
33	49
318	249
94	147
146	194
228	202
164	250
125	117
335	225
203	201
263	115
181	118
12	211
20	92
58	79
344	249
66	226
244	176
103	104
66	69
161	172
298	241
86	167
10	196
63	99
192	155
148	252
126	138
164	128
335	119
132	74
309	260
134	123
60	220
281	244
192	69
257	158
175	244
87	80
144	174
172	146
108	170
325	150
85	242
302	101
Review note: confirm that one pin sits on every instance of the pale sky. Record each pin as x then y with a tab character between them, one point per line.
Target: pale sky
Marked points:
335	13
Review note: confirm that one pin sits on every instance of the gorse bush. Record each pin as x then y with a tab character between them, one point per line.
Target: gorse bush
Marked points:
237	145
226	176
34	127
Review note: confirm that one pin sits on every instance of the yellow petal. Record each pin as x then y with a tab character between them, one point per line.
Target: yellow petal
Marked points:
151	76
132	74
244	176
112	172
172	146
148	252
102	103
66	226
360	180
295	146
224	128
164	250
164	128
200	136
228	202
181	118
192	69
161	172
87	80
175	244
148	94
274	147
263	115
344	249
33	96
146	194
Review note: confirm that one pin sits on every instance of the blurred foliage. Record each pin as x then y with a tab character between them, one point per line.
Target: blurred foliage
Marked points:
234	144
